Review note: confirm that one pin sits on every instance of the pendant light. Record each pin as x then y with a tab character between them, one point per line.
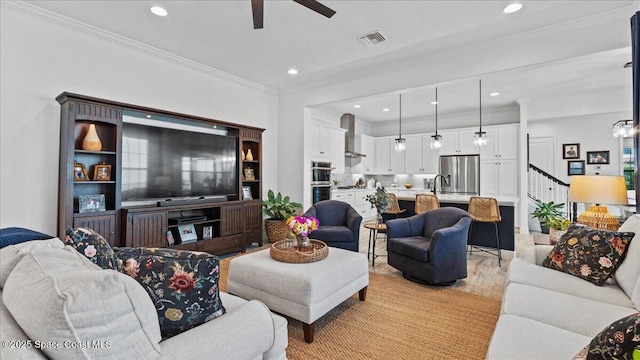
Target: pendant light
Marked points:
480	138
436	140
400	140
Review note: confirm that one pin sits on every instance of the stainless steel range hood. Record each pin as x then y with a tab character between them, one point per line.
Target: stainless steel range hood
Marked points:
348	122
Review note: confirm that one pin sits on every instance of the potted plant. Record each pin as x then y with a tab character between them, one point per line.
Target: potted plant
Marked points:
278	209
544	212
557	227
378	201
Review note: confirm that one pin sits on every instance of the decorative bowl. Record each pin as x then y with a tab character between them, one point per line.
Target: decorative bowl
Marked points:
408	185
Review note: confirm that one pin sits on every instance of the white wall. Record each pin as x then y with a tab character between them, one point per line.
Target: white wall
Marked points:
592	132
39	59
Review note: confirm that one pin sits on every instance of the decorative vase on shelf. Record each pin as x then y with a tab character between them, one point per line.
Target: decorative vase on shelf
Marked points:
249	156
91	140
243	157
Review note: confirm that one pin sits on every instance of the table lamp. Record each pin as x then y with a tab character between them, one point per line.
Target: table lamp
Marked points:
598	189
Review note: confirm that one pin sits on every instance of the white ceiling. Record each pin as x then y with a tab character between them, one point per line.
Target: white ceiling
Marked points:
219	34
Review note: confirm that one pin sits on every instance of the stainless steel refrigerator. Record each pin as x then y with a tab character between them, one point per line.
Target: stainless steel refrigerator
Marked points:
462	174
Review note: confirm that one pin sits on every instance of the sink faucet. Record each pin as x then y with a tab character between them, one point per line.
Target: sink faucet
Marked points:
435	182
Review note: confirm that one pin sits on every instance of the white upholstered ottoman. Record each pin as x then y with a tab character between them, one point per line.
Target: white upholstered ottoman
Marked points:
304	292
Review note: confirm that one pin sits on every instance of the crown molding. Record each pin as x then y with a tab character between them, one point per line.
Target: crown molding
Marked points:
103	35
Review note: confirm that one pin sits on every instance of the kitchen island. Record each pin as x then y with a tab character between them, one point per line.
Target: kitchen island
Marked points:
483	234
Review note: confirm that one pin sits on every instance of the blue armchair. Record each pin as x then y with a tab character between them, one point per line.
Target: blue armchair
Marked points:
339	224
430	248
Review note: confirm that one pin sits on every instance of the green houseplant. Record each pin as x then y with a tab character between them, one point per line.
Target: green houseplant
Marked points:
378	201
278	209
557	227
545	212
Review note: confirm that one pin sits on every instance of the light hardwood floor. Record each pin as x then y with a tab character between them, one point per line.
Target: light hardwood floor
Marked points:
484	277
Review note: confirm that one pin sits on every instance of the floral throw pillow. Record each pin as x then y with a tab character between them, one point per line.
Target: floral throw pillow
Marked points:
182	284
590	254
617	341
93	246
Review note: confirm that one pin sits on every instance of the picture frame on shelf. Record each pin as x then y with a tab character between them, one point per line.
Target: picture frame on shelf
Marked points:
597	157
79	172
91	203
170	240
246	193
187	233
207	232
575	167
102	172
571	151
248	174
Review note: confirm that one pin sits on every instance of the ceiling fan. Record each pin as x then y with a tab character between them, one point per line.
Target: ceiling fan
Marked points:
257	7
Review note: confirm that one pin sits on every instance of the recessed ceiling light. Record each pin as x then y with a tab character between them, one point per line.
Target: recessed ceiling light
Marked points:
148	116
356	106
511	8
494	94
157	10
385	109
434	103
292	71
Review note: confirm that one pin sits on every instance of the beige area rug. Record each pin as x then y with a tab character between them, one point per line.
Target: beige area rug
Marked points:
398	320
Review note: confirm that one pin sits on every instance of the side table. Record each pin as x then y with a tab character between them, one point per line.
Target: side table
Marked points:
373	235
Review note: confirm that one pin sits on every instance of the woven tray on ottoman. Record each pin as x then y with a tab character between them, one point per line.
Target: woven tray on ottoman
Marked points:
285	251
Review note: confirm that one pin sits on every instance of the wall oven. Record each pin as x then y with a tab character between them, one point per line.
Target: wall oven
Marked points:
320	181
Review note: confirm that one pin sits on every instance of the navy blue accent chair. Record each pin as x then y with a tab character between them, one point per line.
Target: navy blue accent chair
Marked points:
339	224
430	248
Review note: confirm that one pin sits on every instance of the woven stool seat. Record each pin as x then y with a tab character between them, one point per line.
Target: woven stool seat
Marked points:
484	209
426	202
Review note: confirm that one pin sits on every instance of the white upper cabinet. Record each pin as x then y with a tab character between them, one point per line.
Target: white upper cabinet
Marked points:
458	142
320	141
419	157
502	142
387	159
337	149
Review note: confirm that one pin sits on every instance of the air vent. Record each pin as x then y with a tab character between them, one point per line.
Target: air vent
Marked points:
371	39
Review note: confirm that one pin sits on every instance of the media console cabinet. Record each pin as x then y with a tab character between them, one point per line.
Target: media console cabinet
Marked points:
232	224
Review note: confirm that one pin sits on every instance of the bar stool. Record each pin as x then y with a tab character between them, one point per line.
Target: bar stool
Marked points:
393	207
426	202
483	209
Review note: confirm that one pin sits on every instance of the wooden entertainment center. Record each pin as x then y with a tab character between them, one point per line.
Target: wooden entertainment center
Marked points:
230	225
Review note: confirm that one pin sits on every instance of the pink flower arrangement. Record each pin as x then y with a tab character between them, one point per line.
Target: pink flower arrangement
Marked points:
302	226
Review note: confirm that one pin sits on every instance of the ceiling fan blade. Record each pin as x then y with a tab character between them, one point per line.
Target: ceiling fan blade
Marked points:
257	7
317	7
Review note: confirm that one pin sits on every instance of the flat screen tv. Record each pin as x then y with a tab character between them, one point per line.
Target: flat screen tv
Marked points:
160	163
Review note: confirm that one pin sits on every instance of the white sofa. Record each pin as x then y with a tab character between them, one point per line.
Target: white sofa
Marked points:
547	314
52	296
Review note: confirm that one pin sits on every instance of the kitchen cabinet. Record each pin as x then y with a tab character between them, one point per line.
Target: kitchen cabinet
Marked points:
319	140
458	142
363	207
337	149
366	164
499	177
387	159
502	143
348	196
420	158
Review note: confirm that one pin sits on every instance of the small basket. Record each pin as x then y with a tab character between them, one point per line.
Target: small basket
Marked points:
284	251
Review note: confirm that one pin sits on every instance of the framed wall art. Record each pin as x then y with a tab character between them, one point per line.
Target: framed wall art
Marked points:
571	151
597	157
91	203
575	167
102	172
79	172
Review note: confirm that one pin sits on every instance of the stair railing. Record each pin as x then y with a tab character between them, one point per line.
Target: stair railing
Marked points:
545	187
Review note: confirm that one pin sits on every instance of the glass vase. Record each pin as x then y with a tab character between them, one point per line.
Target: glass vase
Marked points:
379	220
303	243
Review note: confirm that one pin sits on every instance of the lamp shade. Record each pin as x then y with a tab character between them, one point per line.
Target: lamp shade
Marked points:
598	189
